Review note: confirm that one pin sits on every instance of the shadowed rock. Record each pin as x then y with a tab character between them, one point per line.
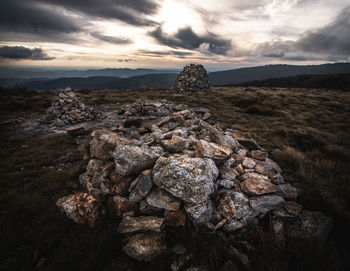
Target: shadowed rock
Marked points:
141	223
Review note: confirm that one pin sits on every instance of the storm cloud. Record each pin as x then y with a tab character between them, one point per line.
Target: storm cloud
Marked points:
20	52
187	39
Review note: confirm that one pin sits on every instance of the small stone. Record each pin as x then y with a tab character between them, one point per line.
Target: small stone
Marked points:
211	150
176	144
248	163
206	116
226	206
264	204
144	182
233	225
228	173
257	186
259	155
200	213
290	209
145	246
141	223
287	191
227	184
122	205
163	200
277	179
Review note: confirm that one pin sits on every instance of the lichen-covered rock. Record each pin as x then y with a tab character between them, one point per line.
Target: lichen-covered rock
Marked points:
104	142
133	159
145	246
140	223
80	207
144	182
240	202
226	206
175	144
264	204
213	151
200	213
190	179
257	186
163	200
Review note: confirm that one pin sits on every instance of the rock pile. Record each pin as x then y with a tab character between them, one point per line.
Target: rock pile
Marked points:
67	109
192	78
166	166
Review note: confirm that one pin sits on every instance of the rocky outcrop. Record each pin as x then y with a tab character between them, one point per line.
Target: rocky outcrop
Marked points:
167	167
191	79
67	109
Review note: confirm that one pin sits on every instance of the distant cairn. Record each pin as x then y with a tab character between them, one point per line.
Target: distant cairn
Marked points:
66	109
192	78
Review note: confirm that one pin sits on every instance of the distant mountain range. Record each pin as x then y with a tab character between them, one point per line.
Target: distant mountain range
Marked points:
147	78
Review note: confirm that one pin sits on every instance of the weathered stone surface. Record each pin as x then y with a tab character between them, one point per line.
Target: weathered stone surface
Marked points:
248	163
192	78
163	200
211	150
311	226
145	246
223	139
259	155
257	186
190	179
200	213
226	206
290	209
140	223
175	218
93	166
228	173
227	184
255	175
117	184
122	205
287	191
240	202
175	144
81	208
144	182
268	168
133	159
104	142
264	204
246	140
277	179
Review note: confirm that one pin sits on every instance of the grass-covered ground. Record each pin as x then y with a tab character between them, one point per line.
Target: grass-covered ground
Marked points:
310	127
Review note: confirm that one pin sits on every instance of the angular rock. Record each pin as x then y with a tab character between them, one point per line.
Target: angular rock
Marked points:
76	130
144	182
93	166
213	151
81	208
133	159
104	142
227	184
122	205
176	144
259	155
277	179
268	168
246	140
148	209
290	209
200	213
287	191
257	186
117	184
264	204
226	206
240	202
228	173
140	223
223	139
163	200
145	246
255	175
190	179
248	163
233	225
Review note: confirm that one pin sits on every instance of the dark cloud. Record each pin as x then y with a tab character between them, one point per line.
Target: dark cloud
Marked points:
187	39
20	52
331	39
164	53
111	39
128	11
327	43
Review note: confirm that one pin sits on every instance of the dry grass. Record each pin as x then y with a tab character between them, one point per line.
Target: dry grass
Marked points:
310	127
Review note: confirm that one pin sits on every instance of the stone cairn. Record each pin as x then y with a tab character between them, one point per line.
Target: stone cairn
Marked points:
192	78
166	166
67	109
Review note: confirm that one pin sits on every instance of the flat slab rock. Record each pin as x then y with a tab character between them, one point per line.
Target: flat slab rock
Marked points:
190	179
145	246
140	223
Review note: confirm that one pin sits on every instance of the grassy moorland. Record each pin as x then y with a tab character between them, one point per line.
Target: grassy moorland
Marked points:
311	128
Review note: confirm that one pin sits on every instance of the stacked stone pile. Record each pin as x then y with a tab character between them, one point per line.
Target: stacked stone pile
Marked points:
192	78
175	169
67	109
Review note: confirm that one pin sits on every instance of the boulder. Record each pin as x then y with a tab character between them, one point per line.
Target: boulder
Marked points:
140	223
131	160
190	179
80	207
145	246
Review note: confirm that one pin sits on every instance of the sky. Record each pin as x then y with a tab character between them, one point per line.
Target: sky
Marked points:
172	33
